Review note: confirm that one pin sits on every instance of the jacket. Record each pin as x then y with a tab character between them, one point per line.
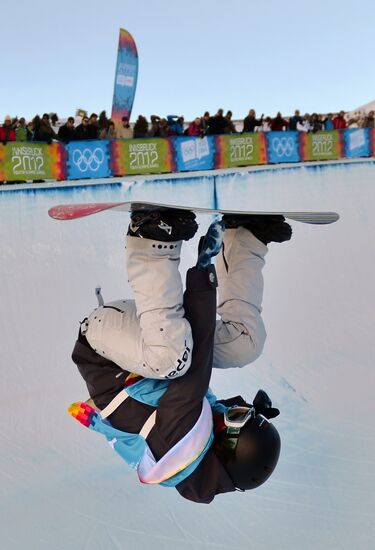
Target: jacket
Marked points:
194	130
339	122
44	132
66	133
217	125
176	126
7	133
181	404
82	132
278	124
250	123
124	132
22	133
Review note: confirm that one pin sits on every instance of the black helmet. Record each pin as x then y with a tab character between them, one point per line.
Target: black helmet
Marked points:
250	453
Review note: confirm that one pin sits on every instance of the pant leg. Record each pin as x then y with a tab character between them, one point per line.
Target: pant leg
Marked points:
240	332
148	336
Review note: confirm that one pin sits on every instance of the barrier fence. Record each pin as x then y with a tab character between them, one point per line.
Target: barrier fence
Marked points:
21	161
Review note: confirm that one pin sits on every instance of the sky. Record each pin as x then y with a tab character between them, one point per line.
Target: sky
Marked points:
193	56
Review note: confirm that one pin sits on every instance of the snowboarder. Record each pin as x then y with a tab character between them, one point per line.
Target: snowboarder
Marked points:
147	363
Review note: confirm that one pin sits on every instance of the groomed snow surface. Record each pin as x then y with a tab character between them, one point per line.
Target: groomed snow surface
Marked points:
62	486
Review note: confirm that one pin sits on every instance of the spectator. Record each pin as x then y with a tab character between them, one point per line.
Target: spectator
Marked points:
109	132
217	124
103	122
353	122
103	132
7	132
30	129
250	122
164	130
54	119
176	125
43	130
195	128
328	122
368	121
305	125
93	127
204	122
82	130
125	131
265	126
22	131
339	122
278	123
155	125
316	123
230	127
67	131
294	119
140	129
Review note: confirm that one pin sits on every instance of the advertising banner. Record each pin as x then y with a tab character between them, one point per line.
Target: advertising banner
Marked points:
240	150
282	147
2	163
23	161
125	77
321	146
192	153
142	156
357	142
371	133
88	159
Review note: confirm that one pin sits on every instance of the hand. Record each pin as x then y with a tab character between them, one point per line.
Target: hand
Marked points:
263	405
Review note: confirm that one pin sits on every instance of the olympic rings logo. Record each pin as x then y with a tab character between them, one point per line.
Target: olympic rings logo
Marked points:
88	160
283	147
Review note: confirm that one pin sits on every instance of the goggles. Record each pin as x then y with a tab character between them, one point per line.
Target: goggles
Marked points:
236	417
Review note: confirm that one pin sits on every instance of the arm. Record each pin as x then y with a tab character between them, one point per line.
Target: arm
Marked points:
181	404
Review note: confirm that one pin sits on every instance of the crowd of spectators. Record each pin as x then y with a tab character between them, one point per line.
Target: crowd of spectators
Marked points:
48	127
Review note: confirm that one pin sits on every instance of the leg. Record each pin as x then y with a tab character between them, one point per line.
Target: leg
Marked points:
157	286
150	335
240	332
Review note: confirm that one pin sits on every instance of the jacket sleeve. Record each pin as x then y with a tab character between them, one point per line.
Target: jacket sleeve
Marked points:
181	404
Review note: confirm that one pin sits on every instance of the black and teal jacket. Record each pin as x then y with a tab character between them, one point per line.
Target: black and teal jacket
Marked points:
179	405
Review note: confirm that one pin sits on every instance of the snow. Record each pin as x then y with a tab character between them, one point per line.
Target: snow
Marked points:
63	487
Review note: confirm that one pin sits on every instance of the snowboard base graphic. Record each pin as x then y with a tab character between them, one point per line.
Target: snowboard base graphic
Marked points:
76	211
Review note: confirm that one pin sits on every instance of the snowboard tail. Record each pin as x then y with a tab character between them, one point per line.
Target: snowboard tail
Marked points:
75	211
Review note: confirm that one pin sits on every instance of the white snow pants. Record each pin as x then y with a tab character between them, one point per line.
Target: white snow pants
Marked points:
150	336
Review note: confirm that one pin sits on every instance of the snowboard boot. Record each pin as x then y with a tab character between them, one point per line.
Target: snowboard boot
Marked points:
267	229
166	225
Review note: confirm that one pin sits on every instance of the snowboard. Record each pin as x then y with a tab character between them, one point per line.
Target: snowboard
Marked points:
76	211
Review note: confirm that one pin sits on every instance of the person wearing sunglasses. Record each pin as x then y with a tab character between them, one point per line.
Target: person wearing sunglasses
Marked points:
167	424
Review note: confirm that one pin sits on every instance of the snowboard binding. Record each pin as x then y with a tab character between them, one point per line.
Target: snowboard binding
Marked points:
265	228
166	225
